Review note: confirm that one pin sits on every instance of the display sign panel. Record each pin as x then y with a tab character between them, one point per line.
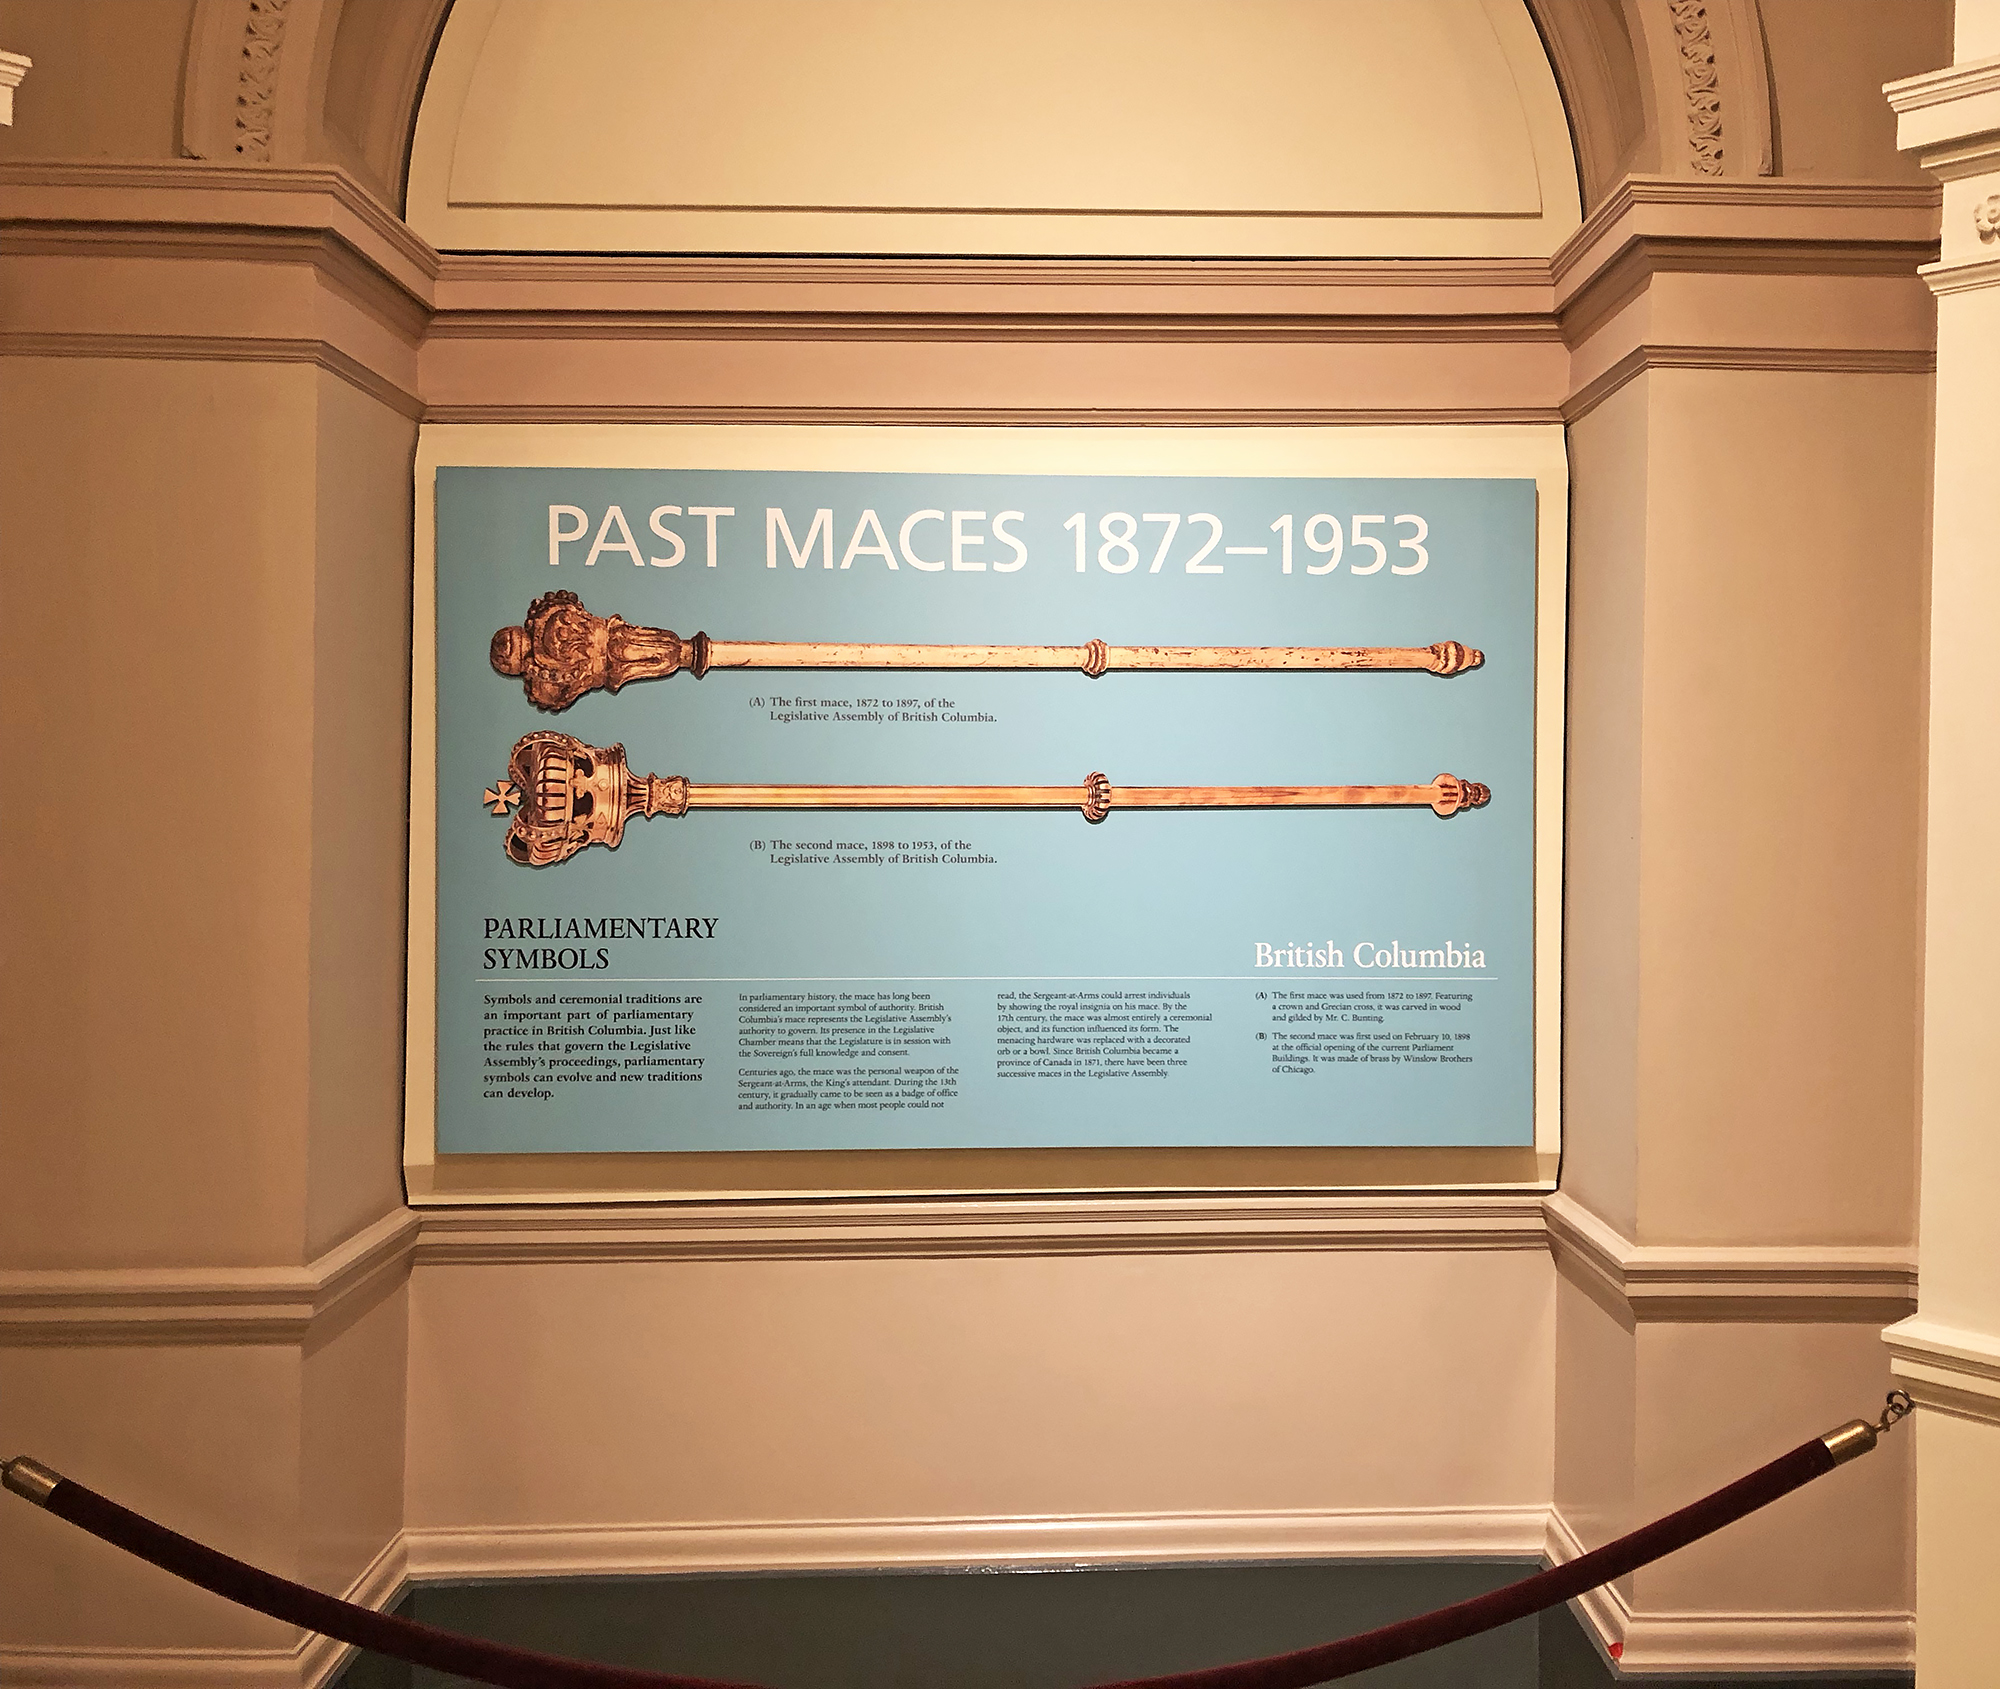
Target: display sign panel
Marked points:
805	808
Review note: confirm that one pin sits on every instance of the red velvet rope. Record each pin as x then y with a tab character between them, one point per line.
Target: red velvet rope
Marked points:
521	1668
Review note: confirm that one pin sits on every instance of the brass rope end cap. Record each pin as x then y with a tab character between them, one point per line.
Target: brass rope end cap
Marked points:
30	1479
1850	1441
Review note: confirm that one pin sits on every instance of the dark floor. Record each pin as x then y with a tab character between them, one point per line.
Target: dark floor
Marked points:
1018	1629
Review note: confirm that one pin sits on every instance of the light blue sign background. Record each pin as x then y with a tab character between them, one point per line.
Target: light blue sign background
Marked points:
1146	901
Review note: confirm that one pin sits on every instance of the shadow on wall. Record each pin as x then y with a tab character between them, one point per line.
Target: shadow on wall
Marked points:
1018	1629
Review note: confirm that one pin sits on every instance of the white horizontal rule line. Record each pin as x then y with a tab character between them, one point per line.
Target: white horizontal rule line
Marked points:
1030	979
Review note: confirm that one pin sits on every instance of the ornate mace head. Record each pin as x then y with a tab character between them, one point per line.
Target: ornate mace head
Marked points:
562	651
572	795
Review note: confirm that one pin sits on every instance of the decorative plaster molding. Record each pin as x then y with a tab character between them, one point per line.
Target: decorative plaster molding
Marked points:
974	326
1700	84
1812	360
1942	107
1207	275
257	79
1731	1642
995	416
809	1229
239	1305
1708	1282
13	67
216	349
1947	1367
185	201
1986	218
1970	80
235	1305
1964	277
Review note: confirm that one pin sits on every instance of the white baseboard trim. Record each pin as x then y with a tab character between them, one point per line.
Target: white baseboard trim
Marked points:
445	1552
1651	1644
380	1586
309	1663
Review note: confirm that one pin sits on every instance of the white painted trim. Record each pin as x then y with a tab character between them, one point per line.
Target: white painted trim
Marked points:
277	1305
319	1659
1652	1643
774	1545
1940	87
13	67
309	1663
1603	1612
152	1305
1858	1282
1965	276
1947	1367
1941	107
985	1226
1687	1642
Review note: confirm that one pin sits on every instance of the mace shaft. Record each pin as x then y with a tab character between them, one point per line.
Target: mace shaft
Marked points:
566	795
1092	658
562	651
1065	797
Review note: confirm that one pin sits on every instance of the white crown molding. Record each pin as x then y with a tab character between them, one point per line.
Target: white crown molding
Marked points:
1947	1367
1707	1282
1651	1644
1941	107
238	1305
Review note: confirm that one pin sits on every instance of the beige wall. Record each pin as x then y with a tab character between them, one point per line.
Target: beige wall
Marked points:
159	1071
205	439
1829	59
958	1391
1781	766
106	80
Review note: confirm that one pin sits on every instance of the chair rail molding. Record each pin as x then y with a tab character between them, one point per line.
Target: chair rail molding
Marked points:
44	1307
1699	1283
1947	1367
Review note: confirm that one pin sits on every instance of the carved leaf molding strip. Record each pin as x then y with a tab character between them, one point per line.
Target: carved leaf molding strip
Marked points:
1700	84
257	79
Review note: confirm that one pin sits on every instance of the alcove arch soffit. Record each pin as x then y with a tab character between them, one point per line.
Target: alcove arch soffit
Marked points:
1675	87
1284	128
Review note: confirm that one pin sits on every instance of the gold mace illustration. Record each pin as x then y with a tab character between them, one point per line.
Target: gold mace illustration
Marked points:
570	795
561	651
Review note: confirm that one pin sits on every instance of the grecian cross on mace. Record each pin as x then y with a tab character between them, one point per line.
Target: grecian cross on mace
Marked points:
571	795
562	651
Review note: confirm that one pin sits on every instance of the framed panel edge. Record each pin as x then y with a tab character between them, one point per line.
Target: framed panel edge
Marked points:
1536	451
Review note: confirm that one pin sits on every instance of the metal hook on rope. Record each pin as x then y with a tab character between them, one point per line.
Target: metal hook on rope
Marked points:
1857	1436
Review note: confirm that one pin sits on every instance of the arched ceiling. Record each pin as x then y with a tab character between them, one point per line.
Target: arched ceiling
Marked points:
1307	128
